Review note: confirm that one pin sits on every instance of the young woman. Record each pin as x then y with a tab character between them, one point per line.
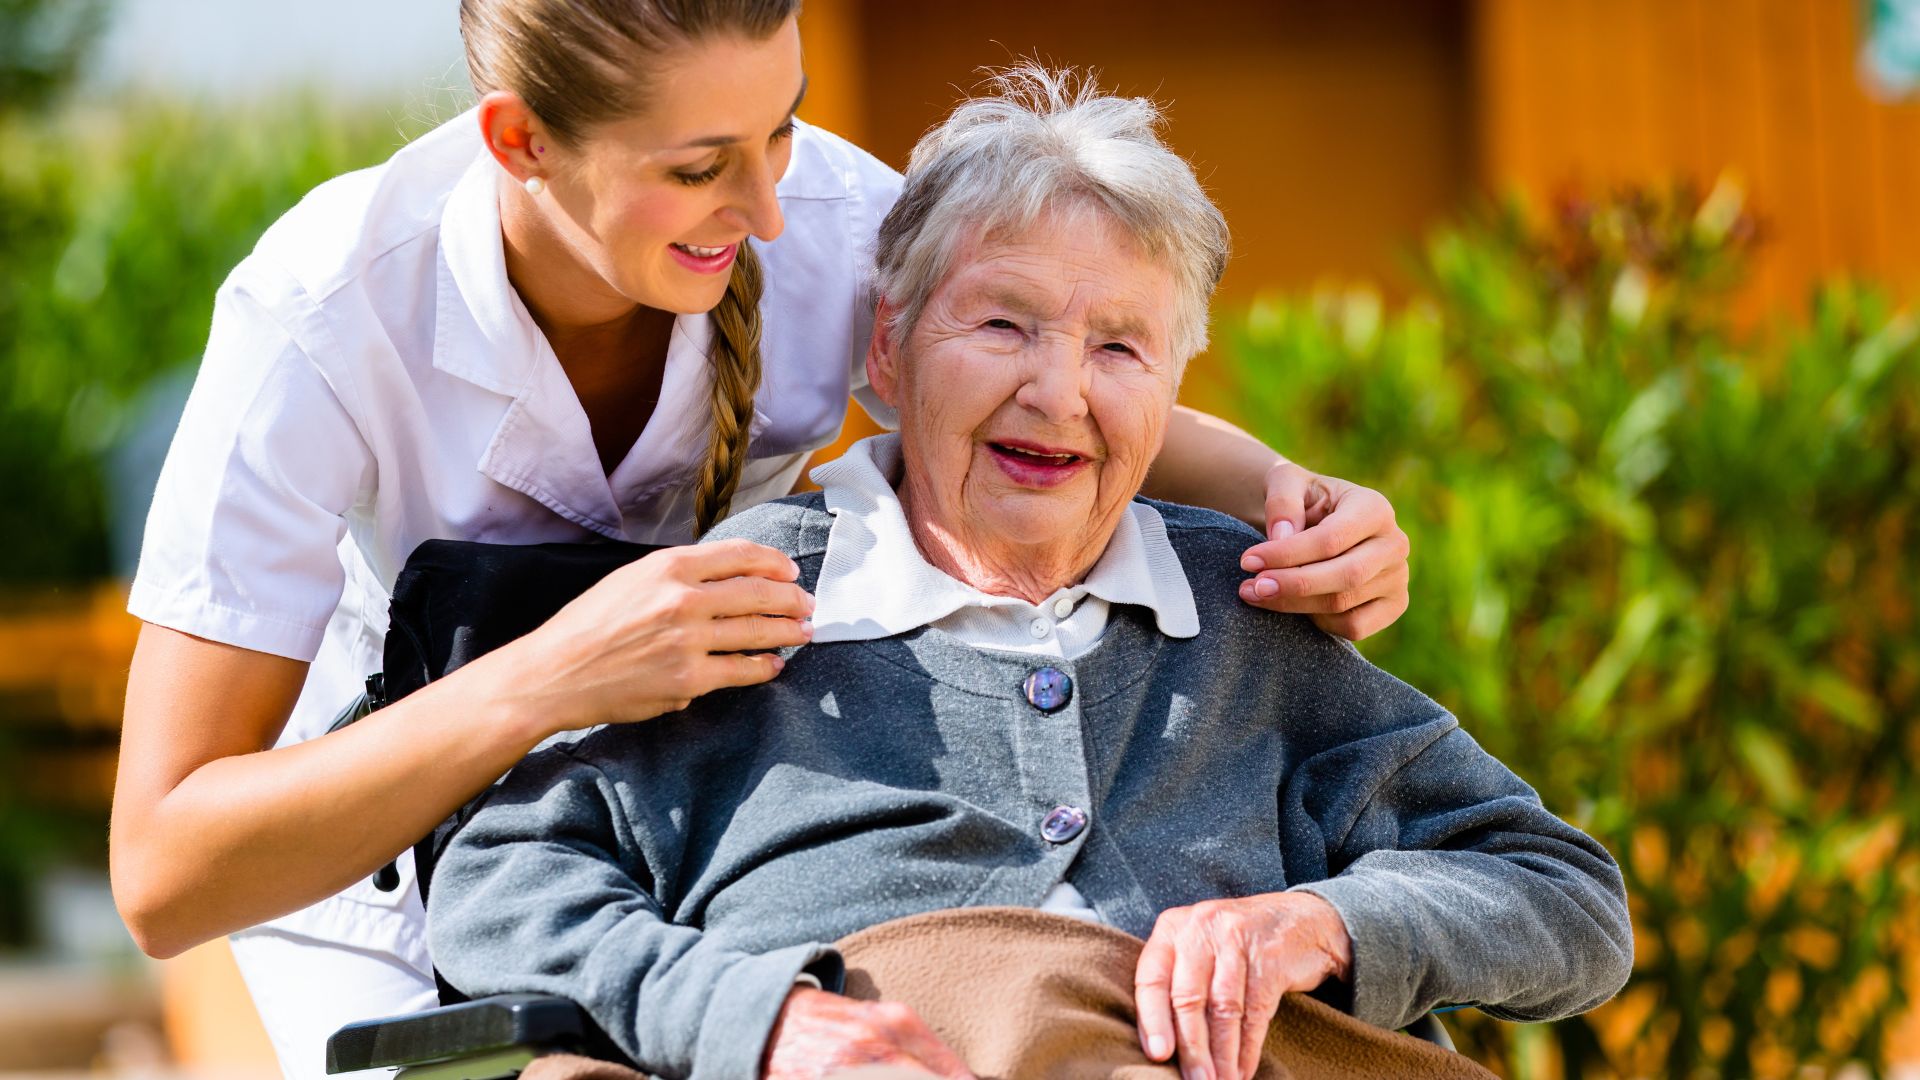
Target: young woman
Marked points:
542	321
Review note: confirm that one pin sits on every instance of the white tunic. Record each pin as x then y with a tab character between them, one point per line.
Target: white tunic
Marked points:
372	381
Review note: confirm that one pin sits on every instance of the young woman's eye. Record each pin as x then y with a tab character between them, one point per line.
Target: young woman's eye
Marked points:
704	176
785	131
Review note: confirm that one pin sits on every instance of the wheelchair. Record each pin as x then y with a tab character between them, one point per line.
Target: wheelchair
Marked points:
452	602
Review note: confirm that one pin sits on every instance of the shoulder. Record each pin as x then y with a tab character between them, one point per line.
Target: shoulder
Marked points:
1202	532
333	235
1209	545
826	166
796	526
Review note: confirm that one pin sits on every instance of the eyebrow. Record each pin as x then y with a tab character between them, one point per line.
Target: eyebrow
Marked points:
729	140
1121	325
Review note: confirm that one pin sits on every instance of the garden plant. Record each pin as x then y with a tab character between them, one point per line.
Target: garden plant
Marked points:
1665	565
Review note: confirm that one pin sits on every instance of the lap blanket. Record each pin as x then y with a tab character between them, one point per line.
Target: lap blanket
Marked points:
1026	995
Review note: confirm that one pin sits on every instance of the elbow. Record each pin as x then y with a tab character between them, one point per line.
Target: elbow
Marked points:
149	929
149	921
151	911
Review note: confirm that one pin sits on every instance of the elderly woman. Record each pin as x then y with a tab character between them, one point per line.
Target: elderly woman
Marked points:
1028	687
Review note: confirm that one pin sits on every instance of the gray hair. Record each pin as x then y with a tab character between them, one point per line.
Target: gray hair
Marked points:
1043	139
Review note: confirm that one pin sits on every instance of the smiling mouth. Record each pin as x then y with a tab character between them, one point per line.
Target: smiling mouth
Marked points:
699	252
1031	456
1036	467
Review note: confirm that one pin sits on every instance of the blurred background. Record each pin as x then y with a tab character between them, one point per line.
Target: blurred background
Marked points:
1613	299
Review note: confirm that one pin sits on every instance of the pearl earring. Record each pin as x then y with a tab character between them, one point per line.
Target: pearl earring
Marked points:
535	185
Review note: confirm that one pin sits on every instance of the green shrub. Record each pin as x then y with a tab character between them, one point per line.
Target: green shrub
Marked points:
1666	569
118	225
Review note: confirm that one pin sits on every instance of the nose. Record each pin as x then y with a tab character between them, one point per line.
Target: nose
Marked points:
1056	382
752	204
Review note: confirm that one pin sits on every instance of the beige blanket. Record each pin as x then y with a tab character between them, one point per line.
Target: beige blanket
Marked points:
1025	995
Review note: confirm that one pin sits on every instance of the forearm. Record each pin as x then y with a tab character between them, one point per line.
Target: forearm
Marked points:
543	891
1438	928
1209	462
248	837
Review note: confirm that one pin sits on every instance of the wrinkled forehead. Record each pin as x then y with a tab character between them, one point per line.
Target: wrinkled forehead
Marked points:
1071	264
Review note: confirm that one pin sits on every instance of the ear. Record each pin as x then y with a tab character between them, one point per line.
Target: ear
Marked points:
514	135
883	356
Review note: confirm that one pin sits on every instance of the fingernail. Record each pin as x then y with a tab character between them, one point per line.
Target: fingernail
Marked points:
1283	530
794	567
1264	587
806	627
779	665
1156	1046
1253	564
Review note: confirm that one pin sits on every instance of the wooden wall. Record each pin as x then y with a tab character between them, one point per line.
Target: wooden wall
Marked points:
1599	92
1331	134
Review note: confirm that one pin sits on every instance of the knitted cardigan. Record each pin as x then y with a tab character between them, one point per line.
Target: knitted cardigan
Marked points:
675	876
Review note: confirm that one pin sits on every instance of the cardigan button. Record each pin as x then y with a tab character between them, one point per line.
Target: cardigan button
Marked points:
1048	689
1063	823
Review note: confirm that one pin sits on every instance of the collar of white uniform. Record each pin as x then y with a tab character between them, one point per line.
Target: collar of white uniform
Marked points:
874	583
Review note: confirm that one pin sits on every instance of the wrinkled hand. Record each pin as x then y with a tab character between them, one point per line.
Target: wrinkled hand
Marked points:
1212	975
1333	552
819	1034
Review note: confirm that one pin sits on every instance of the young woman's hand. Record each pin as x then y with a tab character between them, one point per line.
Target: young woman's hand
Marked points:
1333	552
1212	975
658	633
821	1034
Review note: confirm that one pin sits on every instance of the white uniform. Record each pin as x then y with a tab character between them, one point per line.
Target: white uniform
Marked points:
373	381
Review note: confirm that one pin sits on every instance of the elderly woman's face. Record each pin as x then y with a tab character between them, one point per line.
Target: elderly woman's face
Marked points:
1035	388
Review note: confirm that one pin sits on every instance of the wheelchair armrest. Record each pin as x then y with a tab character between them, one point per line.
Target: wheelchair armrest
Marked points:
488	1026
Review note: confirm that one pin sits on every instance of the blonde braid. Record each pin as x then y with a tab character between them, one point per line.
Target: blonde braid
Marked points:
736	377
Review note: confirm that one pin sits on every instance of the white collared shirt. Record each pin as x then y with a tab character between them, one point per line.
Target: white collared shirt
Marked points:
372	381
874	583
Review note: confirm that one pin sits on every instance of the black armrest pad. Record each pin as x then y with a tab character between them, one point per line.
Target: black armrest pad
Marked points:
451	1031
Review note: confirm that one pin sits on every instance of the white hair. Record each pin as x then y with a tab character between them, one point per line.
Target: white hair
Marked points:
1042	140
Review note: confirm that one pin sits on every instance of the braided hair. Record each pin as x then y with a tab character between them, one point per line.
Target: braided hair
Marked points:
735	357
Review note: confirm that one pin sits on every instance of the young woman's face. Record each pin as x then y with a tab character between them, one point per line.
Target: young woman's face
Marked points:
657	204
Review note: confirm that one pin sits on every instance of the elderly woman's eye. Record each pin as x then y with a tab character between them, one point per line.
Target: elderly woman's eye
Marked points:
1002	324
1118	346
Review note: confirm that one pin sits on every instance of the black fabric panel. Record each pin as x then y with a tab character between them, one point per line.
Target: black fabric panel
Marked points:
456	600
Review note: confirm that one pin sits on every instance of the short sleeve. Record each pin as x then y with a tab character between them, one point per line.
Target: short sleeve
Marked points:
241	544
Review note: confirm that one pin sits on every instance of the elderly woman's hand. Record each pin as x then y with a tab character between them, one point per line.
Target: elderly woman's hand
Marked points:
1333	552
1212	975
819	1034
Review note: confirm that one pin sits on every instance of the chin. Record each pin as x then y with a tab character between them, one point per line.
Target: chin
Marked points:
666	293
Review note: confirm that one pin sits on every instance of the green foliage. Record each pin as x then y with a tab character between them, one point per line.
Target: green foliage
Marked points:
42	44
1665	567
118	225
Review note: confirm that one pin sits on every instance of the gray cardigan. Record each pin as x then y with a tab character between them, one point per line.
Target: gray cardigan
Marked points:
675	876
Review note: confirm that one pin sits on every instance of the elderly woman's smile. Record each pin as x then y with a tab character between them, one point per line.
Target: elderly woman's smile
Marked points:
1034	390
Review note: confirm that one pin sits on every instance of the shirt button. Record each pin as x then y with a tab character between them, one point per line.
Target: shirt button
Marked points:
1048	689
1040	628
1063	823
1062	608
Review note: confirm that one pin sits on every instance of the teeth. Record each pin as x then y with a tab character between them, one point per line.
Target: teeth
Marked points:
1049	457
702	252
